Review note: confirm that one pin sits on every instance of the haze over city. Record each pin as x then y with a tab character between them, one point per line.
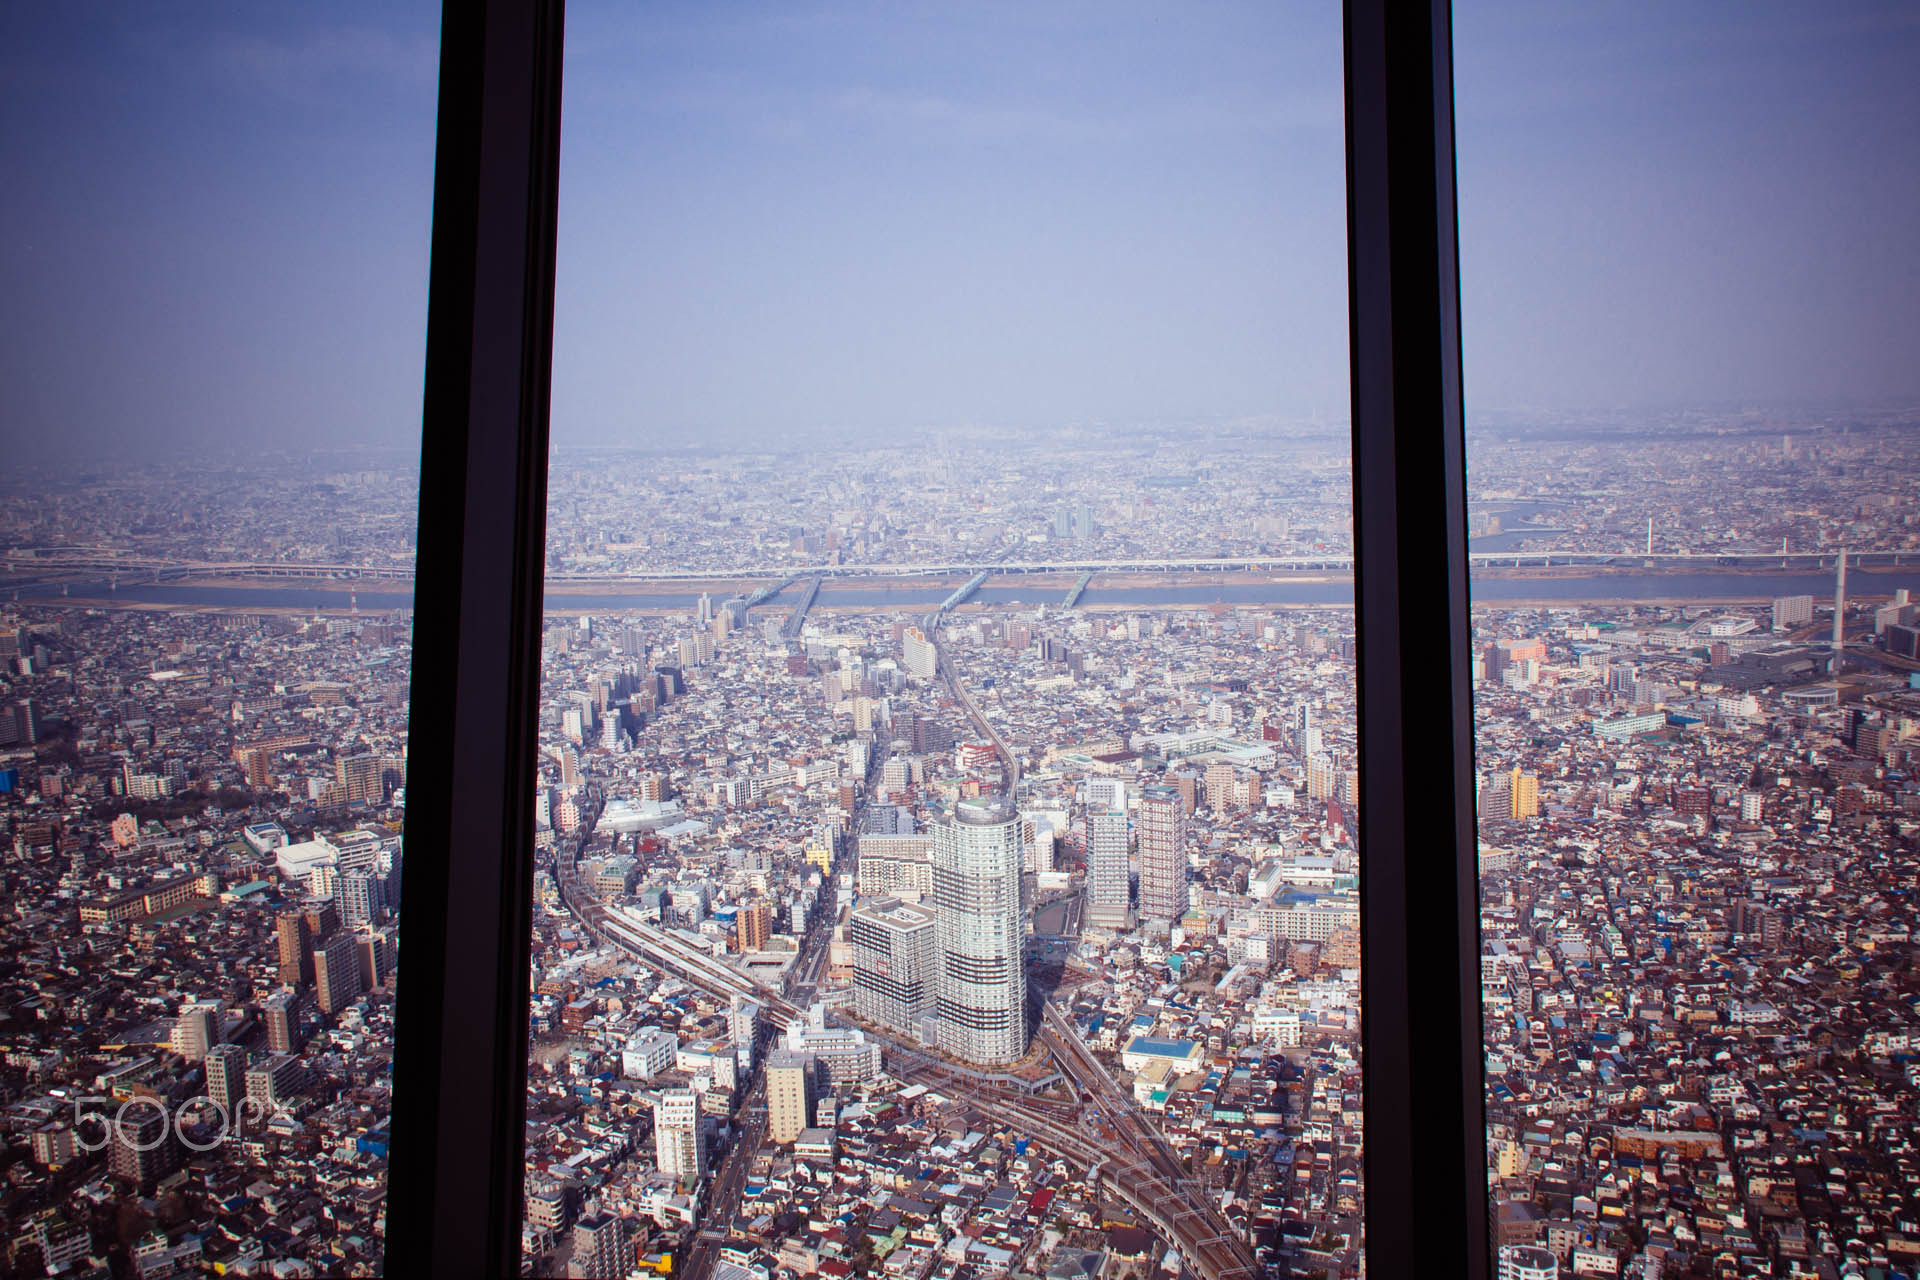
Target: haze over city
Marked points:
872	220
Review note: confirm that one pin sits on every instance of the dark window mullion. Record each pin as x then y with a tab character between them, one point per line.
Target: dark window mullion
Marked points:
453	1203
1425	1195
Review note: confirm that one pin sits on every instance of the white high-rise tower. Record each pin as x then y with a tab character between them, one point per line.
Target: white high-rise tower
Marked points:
1163	855
1107	888
677	1148
982	994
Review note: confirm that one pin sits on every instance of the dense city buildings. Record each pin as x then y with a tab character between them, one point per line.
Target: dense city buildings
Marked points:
815	776
160	955
1696	944
908	838
933	793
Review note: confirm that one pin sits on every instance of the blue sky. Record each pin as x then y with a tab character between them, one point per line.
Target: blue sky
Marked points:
1688	202
214	234
841	221
875	218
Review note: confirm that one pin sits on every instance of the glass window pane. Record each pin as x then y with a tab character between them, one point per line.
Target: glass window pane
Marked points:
948	714
1689	323
211	333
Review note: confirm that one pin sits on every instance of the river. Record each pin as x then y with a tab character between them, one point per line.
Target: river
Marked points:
1703	586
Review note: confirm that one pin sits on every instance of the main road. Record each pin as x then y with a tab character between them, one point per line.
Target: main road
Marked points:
729	1182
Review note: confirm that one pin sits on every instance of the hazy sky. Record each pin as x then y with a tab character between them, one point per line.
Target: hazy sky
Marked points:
214	223
887	216
789	219
1668	202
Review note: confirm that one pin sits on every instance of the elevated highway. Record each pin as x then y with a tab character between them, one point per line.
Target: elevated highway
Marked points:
26	566
798	618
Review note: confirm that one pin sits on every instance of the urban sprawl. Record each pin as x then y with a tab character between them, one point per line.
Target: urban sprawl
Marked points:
974	937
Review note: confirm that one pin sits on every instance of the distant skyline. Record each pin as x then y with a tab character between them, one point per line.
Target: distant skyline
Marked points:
848	221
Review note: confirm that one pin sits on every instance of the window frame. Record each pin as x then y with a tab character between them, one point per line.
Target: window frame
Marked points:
460	1028
455	1179
1420	1015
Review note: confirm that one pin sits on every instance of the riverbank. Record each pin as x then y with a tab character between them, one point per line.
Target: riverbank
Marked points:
1504	588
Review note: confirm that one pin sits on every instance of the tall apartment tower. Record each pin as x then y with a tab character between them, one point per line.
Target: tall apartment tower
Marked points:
296	957
1306	734
1108	891
1523	794
363	893
601	1246
281	1011
258	763
918	654
1527	1262
1163	855
789	1093
373	954
677	1148
227	1078
359	776
336	971
982	994
197	1029
743	1025
550	1204
895	963
753	925
274	1082
1789	611
322	919
1218	782
1322	777
143	1148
